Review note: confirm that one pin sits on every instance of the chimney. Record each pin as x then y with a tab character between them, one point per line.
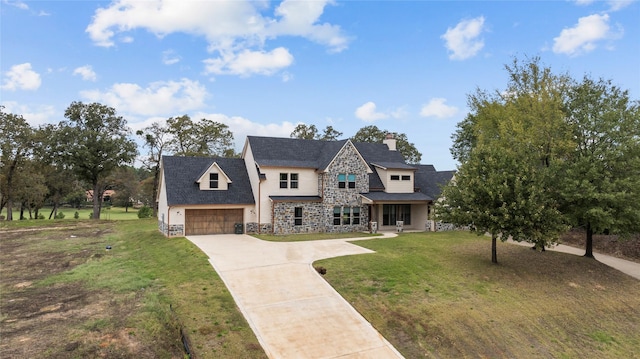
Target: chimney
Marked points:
390	141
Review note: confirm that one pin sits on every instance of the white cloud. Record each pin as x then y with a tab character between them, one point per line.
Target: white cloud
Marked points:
584	36
235	30
463	40
159	98
34	115
437	108
19	4
248	62
86	72
367	113
614	5
169	57
21	77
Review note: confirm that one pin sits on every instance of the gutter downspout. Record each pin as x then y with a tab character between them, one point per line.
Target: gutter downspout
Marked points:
168	220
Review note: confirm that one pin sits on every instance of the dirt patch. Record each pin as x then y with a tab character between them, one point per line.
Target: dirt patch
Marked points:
60	320
622	247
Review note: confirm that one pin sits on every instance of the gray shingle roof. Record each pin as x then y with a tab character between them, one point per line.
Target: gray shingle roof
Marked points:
405	197
430	181
181	174
293	152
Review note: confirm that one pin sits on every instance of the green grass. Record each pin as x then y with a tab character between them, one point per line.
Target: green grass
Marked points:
112	213
439	295
149	286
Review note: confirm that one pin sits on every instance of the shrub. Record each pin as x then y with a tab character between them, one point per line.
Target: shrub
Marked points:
145	212
59	215
76	215
40	216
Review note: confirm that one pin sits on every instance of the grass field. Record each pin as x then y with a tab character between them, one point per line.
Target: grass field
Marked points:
65	296
439	295
430	294
107	213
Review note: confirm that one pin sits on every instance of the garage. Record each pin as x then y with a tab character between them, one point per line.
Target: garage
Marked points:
211	221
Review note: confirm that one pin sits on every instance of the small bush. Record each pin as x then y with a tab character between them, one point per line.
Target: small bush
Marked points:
40	216
145	212
76	215
59	215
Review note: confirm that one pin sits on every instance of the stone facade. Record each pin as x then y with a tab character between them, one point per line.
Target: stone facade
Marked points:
172	230
318	217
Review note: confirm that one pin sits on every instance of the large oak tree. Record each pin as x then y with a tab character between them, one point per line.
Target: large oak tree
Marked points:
93	142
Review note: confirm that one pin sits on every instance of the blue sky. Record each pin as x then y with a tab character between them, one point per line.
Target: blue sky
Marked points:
262	67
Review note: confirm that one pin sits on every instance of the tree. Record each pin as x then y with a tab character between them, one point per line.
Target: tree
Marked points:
511	145
202	138
497	192
310	132
156	141
16	144
305	132
30	190
124	182
374	135
602	187
100	144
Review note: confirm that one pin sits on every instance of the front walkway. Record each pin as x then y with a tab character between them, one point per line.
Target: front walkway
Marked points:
292	310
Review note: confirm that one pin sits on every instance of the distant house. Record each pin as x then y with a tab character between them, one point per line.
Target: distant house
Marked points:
286	185
106	195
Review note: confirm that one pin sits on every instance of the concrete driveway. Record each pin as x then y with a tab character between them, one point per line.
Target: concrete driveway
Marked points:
293	311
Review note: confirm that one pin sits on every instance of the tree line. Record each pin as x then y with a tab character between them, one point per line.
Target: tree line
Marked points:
93	150
546	154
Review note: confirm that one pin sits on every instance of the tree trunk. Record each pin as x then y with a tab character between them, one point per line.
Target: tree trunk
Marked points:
494	249
96	200
589	242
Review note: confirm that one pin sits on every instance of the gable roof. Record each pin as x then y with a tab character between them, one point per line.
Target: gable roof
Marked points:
295	152
181	173
429	181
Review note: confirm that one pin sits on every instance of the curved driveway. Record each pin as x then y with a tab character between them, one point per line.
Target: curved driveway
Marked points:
292	310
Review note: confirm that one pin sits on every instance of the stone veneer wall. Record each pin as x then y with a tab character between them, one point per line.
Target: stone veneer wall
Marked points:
172	230
252	228
318	217
312	217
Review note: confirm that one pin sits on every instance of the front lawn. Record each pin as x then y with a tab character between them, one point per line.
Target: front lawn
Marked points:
439	295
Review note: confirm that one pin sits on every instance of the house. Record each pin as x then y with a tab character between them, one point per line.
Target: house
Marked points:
106	195
287	185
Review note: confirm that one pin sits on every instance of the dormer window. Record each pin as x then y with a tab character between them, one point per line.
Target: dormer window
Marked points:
213	180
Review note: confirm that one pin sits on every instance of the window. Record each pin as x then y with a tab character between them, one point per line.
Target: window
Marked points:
356	215
395	178
396	212
346	215
284	180
346	180
406	178
213	180
297	216
342	180
352	180
294	180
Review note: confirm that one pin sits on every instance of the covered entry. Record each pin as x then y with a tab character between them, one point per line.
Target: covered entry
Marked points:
211	221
